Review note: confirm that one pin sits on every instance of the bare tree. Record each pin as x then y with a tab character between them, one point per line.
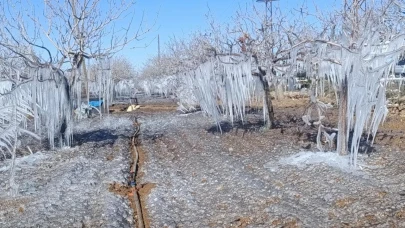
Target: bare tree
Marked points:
54	42
122	69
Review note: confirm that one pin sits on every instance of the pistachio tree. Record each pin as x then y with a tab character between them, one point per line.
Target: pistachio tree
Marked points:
358	55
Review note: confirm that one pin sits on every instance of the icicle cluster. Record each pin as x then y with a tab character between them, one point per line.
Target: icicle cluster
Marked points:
163	85
367	71
125	89
367	103
224	86
103	86
184	92
52	107
45	98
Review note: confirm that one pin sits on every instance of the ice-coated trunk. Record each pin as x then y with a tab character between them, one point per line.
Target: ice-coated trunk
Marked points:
270	111
269	104
86	78
342	139
279	91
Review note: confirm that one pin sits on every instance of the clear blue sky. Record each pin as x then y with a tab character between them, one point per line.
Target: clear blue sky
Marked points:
180	18
177	18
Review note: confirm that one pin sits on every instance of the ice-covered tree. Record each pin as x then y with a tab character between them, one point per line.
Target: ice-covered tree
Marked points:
270	44
70	34
115	77
122	69
358	55
165	74
45	50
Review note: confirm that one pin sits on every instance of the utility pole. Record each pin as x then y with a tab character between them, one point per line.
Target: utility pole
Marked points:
159	47
269	7
159	63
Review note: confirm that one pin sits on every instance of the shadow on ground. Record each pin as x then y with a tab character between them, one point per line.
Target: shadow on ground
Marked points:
226	126
105	136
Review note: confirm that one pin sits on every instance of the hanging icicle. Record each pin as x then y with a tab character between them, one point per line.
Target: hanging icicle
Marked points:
224	86
46	98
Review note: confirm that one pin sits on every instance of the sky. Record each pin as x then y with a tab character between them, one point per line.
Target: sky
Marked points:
168	19
180	18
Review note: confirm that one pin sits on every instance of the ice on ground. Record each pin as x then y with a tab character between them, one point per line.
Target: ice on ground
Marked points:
107	123
29	160
70	187
332	159
201	182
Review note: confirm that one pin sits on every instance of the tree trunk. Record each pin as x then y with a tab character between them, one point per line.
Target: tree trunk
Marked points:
269	104
279	91
86	78
342	140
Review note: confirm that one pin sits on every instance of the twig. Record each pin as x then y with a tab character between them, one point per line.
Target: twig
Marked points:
29	149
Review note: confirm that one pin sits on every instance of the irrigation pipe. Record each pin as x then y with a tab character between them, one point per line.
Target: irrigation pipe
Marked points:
135	158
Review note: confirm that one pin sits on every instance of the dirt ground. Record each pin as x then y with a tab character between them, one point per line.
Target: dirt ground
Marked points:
203	178
71	187
192	175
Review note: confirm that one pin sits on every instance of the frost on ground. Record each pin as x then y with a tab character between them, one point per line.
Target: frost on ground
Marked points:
111	123
245	177
332	159
250	177
70	187
24	162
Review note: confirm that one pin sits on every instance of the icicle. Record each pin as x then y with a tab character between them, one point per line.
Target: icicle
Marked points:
367	71
224	85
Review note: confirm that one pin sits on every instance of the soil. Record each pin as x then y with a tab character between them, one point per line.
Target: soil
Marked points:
125	191
205	178
144	192
70	187
195	173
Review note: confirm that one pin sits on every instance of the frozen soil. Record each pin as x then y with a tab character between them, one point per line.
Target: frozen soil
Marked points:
253	177
191	175
70	187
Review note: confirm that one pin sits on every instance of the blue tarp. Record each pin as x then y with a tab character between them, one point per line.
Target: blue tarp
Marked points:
96	103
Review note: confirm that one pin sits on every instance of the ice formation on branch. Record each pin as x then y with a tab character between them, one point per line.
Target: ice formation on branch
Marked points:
102	87
164	85
52	105
45	98
224	86
185	94
14	112
364	71
125	88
